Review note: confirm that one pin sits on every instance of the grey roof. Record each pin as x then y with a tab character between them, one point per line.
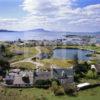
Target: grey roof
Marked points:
58	72
54	73
43	75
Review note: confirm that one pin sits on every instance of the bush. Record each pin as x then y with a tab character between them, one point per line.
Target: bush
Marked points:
70	89
91	74
59	91
43	83
76	77
56	80
42	97
82	68
54	86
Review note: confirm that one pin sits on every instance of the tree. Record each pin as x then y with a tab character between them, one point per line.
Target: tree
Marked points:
2	49
70	89
54	86
58	90
91	74
76	61
81	70
19	40
4	66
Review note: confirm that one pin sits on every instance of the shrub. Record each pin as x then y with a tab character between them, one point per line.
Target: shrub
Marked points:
54	86
82	68
43	83
70	89
76	77
59	91
91	74
56	80
42	97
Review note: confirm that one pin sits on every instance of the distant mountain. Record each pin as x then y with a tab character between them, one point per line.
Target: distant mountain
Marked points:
34	30
40	34
6	30
39	30
76	33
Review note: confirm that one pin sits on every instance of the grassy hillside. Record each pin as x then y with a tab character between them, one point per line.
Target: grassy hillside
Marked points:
26	65
35	94
28	52
58	62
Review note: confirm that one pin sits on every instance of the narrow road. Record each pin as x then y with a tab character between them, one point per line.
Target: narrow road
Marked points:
38	64
38	49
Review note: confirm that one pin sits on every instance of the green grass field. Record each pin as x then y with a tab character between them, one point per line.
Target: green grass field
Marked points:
26	65
35	94
28	52
89	47
57	62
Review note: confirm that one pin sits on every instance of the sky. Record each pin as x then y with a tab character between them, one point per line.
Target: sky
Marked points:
57	15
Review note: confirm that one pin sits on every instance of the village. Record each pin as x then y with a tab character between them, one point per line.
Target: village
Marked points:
49	49
28	69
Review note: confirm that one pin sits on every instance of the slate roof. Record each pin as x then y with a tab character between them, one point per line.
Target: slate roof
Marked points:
64	75
43	75
67	72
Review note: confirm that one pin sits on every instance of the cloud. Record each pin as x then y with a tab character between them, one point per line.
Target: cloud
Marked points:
60	14
29	5
36	5
7	23
56	15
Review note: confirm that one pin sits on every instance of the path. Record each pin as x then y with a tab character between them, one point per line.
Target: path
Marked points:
38	64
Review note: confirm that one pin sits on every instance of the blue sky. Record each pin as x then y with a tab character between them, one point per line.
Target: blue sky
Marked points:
62	15
11	9
83	3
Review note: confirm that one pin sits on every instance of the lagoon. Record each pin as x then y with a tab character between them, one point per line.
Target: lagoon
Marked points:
71	53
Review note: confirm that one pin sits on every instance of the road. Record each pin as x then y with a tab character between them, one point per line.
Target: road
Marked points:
38	64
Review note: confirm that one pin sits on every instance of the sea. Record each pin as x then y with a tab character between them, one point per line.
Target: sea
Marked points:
29	35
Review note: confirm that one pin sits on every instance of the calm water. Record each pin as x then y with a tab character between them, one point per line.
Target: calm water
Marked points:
30	35
34	35
70	54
